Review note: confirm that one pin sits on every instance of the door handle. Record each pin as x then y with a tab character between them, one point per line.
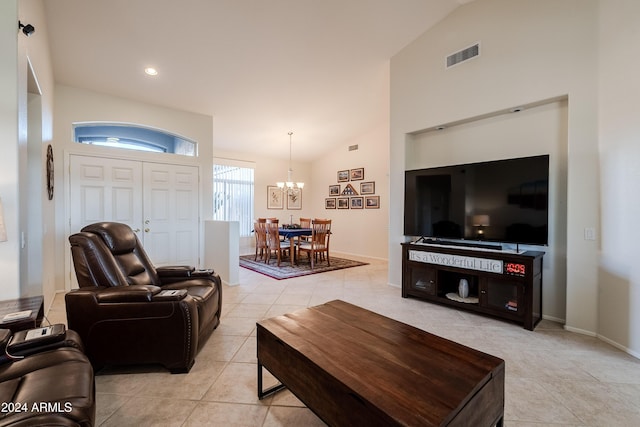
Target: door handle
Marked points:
146	230
137	230
146	221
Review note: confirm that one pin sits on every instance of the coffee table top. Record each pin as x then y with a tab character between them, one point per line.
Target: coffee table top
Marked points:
419	377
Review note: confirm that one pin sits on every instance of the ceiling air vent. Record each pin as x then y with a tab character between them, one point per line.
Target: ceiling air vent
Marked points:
463	55
353	147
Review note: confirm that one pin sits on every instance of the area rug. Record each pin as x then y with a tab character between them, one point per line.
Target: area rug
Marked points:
286	271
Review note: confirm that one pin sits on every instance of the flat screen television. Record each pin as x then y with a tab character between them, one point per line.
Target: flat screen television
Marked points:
496	201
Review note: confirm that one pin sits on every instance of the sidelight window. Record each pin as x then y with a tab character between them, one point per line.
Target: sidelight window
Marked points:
233	188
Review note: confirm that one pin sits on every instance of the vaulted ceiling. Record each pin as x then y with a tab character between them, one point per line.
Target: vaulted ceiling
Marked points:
261	68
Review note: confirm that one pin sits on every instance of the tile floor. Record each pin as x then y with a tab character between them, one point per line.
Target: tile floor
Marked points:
553	377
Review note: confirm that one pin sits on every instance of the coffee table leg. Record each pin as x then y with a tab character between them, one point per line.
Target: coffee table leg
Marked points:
264	393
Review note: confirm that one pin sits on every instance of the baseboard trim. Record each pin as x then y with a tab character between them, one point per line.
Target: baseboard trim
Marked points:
580	331
554	319
619	346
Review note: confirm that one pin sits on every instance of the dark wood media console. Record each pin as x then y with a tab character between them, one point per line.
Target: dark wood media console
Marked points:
502	284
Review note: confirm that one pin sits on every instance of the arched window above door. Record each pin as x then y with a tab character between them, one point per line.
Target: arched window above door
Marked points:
133	137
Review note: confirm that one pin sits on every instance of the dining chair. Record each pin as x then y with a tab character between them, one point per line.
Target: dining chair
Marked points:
260	231
319	243
274	244
305	223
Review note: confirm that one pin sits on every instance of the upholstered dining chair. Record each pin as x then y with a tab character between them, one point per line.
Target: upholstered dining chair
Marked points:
260	232
274	244
319	243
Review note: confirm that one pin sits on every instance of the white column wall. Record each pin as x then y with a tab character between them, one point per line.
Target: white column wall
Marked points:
9	250
619	275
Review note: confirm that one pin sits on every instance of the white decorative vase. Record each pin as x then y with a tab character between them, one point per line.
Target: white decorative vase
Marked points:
463	288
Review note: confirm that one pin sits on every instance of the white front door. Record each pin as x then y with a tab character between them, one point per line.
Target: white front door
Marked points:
105	189
171	206
160	202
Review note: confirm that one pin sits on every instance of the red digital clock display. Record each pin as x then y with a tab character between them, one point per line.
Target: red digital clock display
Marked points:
514	269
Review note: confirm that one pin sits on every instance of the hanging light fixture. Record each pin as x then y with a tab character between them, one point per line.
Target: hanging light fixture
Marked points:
288	185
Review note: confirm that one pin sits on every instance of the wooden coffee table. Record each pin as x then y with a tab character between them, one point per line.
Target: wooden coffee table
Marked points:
354	367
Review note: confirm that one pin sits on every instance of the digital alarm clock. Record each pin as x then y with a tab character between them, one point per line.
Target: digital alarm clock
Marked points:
514	269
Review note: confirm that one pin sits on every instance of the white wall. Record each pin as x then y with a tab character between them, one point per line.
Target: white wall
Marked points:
18	51
530	52
77	105
38	221
619	276
357	231
9	252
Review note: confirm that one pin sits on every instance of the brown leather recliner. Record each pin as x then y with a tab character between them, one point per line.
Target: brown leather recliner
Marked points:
122	309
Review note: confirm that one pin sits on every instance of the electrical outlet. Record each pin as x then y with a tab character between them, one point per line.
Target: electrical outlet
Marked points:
589	233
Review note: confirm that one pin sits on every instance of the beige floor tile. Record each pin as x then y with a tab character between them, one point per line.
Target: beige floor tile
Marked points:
151	412
553	377
226	415
525	400
237	384
288	416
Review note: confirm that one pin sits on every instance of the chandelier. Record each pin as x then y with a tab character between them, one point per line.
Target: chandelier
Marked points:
288	185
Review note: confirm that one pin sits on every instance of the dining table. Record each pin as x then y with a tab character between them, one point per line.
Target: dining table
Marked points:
293	235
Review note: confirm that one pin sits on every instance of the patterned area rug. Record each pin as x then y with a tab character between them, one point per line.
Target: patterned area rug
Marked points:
286	271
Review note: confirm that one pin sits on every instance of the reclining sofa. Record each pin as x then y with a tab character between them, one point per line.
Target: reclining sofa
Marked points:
127	311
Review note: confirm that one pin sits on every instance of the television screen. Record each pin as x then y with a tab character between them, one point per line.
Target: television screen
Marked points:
501	201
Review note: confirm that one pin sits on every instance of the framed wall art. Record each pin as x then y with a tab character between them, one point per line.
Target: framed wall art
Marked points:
356	202
330	203
275	197
343	176
294	199
334	190
367	187
356	174
343	203
372	202
349	191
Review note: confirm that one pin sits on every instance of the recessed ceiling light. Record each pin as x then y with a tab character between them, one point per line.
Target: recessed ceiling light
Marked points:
151	71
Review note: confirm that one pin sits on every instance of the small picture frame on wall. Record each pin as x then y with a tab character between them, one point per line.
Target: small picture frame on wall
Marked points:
357	174
334	190
330	203
367	187
343	203
372	202
356	202
275	197
343	176
294	199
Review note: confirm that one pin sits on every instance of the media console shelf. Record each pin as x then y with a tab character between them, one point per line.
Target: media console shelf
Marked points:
501	284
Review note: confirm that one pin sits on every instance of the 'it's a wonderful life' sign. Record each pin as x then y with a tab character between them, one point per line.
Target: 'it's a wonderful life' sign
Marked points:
466	262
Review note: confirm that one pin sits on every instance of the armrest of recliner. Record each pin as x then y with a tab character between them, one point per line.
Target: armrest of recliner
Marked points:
120	294
175	271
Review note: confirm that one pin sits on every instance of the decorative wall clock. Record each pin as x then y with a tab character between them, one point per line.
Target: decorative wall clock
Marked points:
50	171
